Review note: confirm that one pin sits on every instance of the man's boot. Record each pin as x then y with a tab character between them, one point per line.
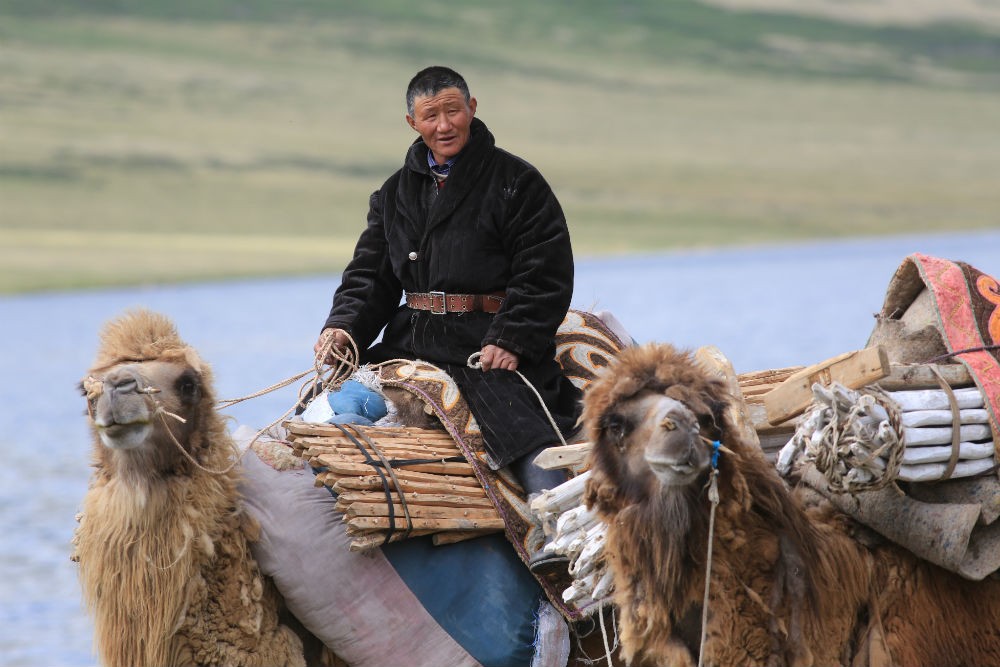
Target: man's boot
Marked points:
534	480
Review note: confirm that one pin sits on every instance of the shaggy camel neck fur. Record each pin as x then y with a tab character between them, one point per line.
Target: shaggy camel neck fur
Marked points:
164	561
790	584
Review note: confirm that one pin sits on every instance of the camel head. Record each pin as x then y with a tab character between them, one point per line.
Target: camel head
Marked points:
652	415
148	396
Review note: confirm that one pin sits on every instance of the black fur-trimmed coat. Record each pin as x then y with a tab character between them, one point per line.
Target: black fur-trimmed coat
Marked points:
495	226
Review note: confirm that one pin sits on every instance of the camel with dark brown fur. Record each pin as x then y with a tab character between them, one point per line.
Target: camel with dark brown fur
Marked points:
790	584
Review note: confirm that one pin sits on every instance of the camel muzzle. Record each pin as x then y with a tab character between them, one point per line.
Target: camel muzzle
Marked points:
675	453
122	413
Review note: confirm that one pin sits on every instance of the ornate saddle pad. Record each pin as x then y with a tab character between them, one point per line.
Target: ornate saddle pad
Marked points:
584	344
967	303
953	524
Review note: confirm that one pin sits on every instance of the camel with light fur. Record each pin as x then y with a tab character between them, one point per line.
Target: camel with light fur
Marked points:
162	544
790	583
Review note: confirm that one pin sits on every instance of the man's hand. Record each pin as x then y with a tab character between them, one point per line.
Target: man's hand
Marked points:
340	341
492	357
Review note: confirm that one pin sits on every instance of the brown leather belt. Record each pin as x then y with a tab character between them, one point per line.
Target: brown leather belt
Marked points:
440	303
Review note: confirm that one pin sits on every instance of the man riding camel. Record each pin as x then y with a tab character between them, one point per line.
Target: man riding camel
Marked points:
466	251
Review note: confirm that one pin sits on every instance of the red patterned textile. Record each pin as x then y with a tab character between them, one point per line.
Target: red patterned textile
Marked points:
967	302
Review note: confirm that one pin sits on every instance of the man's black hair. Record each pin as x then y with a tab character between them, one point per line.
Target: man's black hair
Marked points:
431	81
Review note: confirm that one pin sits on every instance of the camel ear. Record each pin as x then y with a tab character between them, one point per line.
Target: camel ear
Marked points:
713	420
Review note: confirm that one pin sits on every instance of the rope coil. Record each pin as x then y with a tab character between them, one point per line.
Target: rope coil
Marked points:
324	377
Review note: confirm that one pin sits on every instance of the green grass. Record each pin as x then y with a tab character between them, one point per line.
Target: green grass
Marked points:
156	142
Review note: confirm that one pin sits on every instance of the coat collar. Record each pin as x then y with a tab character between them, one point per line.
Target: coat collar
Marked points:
464	173
480	142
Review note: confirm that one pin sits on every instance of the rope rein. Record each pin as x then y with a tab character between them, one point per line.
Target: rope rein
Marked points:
604	633
323	377
713	498
163	413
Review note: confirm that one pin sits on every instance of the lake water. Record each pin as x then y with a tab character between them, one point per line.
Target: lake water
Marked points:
764	307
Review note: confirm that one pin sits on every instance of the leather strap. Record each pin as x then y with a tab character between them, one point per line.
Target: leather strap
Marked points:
440	303
956	425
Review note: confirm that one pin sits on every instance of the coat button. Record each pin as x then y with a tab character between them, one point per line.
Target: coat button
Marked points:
413	255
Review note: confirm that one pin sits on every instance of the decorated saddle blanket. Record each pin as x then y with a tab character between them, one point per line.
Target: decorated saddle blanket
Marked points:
953	523
967	304
584	344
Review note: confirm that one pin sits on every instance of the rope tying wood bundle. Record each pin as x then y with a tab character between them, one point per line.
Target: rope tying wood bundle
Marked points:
854	453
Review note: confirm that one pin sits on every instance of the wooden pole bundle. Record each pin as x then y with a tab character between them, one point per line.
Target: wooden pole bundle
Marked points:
758	383
393	483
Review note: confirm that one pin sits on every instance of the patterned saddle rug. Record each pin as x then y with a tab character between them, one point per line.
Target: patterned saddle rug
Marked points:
953	523
966	303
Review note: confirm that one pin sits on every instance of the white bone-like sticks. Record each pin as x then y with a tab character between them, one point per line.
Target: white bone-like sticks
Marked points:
576	532
862	429
936	399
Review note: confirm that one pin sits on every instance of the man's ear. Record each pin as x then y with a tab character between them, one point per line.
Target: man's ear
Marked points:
472	105
412	123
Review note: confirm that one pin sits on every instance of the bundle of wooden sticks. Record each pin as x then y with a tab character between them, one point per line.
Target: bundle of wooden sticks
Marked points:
396	482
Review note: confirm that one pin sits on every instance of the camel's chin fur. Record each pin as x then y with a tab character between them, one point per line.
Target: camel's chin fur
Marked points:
136	562
162	545
788	586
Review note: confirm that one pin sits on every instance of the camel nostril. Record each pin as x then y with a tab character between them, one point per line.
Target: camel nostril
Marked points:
125	385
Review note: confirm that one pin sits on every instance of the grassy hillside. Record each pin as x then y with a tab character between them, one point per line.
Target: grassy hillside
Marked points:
156	141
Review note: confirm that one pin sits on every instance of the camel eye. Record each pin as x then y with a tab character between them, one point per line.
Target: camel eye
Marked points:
187	387
617	426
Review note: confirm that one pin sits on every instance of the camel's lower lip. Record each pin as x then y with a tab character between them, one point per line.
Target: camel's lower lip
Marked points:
124	436
673	473
115	428
671	466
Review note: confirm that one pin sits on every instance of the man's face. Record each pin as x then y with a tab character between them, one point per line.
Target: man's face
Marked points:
443	121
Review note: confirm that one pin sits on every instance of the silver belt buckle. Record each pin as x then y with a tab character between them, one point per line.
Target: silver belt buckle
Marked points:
444	303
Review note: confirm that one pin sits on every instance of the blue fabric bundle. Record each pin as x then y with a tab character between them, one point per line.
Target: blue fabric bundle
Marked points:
354	403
